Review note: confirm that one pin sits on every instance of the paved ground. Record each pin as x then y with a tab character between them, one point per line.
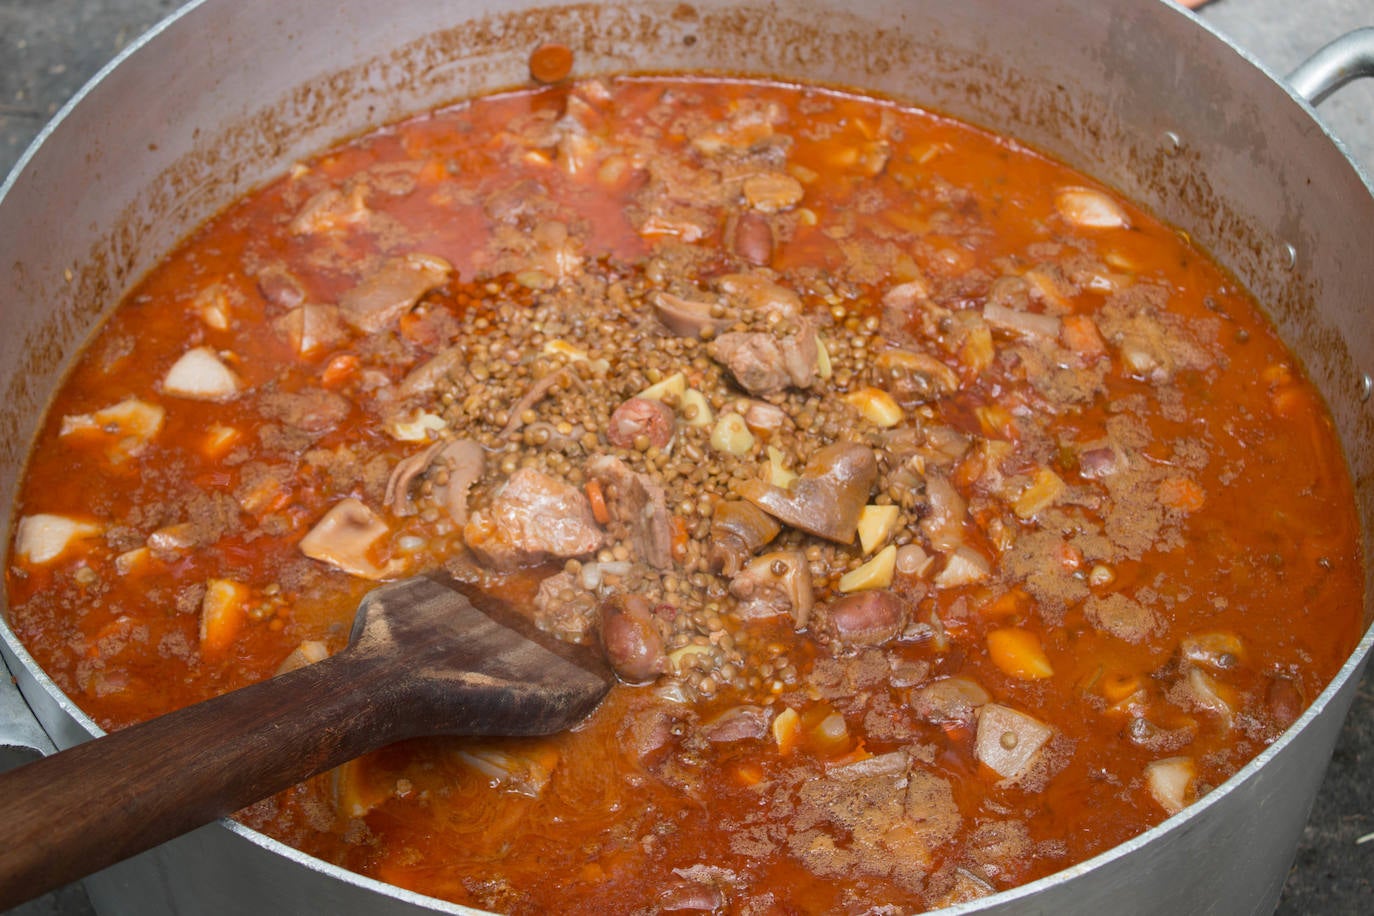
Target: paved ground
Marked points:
49	48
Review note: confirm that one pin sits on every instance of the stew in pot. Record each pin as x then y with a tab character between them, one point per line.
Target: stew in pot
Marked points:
947	519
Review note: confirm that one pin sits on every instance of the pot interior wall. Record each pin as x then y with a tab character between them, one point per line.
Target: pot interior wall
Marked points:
1136	94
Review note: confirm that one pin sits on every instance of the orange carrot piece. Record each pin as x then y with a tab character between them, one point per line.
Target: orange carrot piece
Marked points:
339	370
597	497
1017	652
1079	333
1181	493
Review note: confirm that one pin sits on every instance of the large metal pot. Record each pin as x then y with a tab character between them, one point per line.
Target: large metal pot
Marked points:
226	93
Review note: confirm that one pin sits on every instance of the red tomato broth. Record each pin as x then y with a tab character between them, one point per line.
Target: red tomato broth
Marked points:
1259	535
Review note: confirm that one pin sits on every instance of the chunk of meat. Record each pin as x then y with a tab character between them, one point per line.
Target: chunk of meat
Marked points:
345	538
330	211
1122	617
638	503
894	813
531	517
453	467
943	525
951	699
631	640
867	618
738	528
753	238
312	410
754	359
774	584
755	292
425	377
279	286
766	363
638	417
688	317
311	329
393	289
827	498
738	723
563	607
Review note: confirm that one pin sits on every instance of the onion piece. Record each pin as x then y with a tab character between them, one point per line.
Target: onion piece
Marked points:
44	537
201	376
1169	781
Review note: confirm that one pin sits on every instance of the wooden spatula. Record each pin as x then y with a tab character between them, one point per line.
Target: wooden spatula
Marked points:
424	658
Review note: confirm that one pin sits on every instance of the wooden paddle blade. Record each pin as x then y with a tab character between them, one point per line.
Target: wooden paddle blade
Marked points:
474	666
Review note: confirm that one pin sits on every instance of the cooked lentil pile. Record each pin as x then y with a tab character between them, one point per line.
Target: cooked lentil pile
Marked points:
947	519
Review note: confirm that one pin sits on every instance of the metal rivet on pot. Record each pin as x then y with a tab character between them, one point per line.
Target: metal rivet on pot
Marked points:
1292	254
1172	141
1366	387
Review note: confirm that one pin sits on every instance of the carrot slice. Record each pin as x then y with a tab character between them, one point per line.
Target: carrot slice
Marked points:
1018	653
597	497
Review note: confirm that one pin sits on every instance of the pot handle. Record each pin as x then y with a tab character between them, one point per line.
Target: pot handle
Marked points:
22	739
1347	58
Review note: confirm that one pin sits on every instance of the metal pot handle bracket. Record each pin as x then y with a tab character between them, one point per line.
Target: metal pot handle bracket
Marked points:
22	739
1347	58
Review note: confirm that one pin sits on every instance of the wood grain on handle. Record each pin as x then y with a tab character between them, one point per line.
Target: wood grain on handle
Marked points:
102	801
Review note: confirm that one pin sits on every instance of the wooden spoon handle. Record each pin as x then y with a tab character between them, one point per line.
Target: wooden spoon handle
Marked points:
83	809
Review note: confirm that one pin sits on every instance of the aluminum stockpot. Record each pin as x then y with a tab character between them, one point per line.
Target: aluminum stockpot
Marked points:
227	93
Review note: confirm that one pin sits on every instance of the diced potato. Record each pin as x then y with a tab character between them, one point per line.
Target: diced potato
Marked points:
876	573
415	427
222	612
694	409
965	566
131	561
786	730
219	440
731	435
1090	209
675	384
1042	492
1008	741
127	427
43	538
1017	652
1170	780
174	538
876	406
1218	650
202	376
130	417
212	304
876	525
779	475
